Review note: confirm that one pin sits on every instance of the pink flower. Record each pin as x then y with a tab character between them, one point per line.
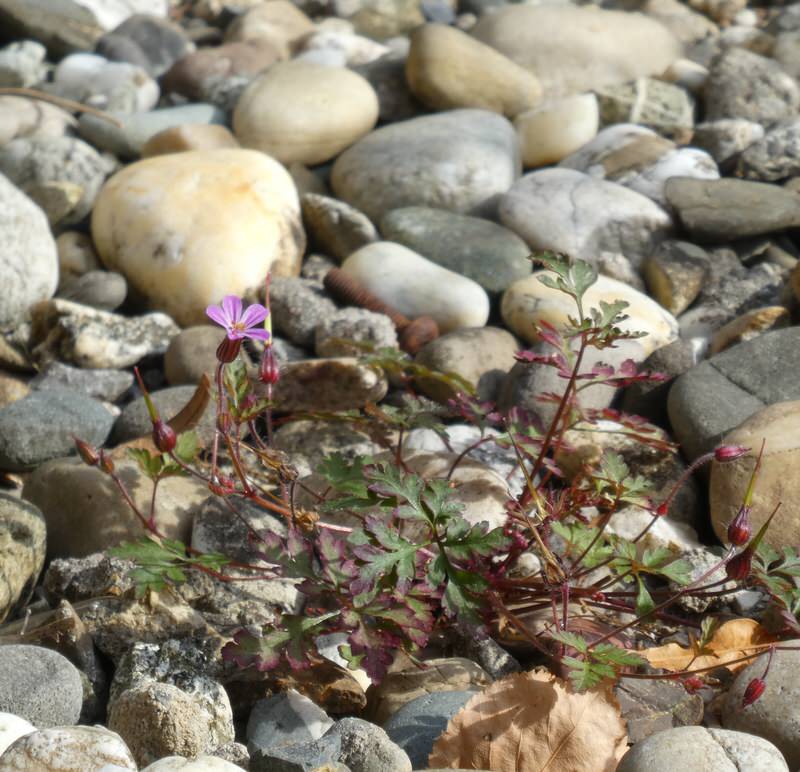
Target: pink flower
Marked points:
239	324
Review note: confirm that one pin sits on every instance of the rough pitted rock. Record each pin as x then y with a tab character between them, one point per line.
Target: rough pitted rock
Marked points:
481	250
28	259
151	223
776	155
297	307
313	440
107	385
717	395
727	137
335	227
42	426
284	719
23	543
458	160
332	334
39	685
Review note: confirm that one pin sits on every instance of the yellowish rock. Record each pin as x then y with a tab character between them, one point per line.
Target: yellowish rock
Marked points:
12	388
190	136
279	23
447	69
301	111
528	302
552	131
747	326
188	228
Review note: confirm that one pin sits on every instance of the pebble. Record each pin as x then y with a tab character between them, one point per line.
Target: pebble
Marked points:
67	748
333	333
395	100
298	306
287	718
355	50
104	290
313	440
775	155
201	763
727	138
481	250
12	389
23	537
481	356
278	23
20	117
418	163
150	224
696	747
572	50
415	286
448	69
675	273
567	211
76	255
549	133
748	326
416	726
127	141
335	227
39	685
327	109
189	136
717	395
12	728
742	84
22	64
85	513
192	354
95	339
42	425
28	257
528	301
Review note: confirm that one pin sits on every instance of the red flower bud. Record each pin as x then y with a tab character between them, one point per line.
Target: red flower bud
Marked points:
662	510
693	684
724	453
753	691
228	350
739	529
739	566
269	371
164	436
87	453
106	464
221	485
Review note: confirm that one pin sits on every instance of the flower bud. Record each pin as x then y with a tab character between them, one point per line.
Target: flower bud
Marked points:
739	529
724	453
228	350
693	684
269	371
224	422
106	464
662	510
164	436
753	691
739	566
221	485
87	452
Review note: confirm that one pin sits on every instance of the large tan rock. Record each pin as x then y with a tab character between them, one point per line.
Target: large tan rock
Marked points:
778	481
571	50
188	228
304	112
447	69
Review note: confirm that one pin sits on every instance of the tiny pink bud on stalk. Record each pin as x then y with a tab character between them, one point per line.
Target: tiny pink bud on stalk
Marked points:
106	464
739	529
693	684
87	452
739	566
269	371
753	691
228	350
164	437
723	453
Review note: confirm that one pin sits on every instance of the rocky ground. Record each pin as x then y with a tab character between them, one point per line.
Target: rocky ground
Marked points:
426	148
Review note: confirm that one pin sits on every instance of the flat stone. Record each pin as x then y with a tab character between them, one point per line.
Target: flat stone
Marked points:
458	160
675	273
335	227
105	290
358	325
481	250
649	707
284	719
107	385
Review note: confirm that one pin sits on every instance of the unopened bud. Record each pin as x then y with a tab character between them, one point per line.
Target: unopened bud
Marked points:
693	684
662	510
221	485
164	436
724	453
269	371
739	529
739	566
753	691
87	452
106	464
228	350
224	422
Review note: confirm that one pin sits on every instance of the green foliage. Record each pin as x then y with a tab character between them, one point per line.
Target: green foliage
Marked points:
602	662
157	466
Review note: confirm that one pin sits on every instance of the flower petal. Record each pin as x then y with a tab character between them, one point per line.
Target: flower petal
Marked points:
218	315
232	306
257	334
253	315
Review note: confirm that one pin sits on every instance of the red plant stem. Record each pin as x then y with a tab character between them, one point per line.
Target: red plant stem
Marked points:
464	453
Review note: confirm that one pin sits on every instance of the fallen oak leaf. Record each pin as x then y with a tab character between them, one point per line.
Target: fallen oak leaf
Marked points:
534	722
731	641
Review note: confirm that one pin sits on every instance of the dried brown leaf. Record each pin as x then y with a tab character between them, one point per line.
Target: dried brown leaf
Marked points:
732	640
534	722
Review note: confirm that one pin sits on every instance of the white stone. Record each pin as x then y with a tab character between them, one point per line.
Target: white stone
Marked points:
678	537
11	728
198	764
528	301
305	112
612	139
571	212
416	286
551	132
188	228
572	50
356	49
111	13
687	74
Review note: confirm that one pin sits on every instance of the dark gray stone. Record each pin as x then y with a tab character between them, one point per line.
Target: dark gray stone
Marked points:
298	306
43	426
284	719
387	76
418	724
109	385
717	395
40	686
483	251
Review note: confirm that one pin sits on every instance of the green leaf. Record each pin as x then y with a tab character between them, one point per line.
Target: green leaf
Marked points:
644	601
608	653
574	640
586	675
151	464
187	446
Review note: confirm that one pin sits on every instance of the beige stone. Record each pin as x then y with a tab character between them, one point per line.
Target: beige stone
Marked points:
778	480
448	69
299	111
76	254
12	388
188	228
278	22
572	50
528	301
190	136
747	326
553	131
